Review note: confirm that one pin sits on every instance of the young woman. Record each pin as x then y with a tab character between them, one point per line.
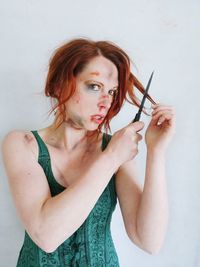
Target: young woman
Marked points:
65	179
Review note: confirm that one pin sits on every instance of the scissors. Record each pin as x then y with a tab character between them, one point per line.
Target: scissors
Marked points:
137	116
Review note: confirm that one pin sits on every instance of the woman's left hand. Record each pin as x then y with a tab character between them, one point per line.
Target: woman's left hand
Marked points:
161	127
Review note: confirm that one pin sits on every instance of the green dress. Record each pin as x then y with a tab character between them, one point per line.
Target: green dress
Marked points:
91	245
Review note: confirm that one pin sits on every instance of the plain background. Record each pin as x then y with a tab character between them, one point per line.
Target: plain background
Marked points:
158	35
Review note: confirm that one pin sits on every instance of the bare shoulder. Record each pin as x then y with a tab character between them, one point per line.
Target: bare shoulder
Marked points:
19	141
18	135
21	163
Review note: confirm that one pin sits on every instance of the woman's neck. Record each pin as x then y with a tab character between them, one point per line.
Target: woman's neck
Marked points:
67	137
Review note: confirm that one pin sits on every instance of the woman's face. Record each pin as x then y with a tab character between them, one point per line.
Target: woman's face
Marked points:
95	89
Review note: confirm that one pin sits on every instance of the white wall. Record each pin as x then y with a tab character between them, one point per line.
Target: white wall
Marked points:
158	35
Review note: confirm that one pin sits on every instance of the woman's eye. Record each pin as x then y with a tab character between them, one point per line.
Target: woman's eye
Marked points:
94	87
113	92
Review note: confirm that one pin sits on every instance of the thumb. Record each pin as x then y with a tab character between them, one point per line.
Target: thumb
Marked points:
138	125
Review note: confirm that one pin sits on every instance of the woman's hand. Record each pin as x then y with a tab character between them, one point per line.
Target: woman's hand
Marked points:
124	143
161	127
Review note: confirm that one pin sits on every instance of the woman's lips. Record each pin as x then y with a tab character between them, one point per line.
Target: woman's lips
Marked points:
97	118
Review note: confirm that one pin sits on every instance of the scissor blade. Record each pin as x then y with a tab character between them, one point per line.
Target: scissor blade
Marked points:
137	116
145	93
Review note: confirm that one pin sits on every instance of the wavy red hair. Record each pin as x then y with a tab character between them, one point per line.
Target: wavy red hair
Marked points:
70	59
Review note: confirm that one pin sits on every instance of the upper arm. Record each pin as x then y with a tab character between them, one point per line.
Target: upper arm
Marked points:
27	180
129	192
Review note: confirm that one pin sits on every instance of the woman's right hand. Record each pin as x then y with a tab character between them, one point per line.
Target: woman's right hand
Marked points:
123	145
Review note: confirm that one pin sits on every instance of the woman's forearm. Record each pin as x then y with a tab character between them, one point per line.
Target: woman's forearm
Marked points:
152	217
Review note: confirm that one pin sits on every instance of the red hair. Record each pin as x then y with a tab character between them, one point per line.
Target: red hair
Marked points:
70	59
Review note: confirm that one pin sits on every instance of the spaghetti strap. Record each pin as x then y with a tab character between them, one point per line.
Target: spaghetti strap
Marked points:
43	150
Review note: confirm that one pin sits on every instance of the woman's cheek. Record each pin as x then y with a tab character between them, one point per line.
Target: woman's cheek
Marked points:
77	99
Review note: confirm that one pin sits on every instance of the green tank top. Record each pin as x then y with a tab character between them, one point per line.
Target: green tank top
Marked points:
91	245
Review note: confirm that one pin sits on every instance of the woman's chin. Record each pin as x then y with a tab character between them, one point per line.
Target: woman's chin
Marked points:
92	126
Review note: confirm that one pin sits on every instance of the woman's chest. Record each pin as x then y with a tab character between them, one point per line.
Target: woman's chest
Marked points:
68	168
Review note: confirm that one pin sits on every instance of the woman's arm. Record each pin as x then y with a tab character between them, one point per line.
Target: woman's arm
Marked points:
153	212
153	209
145	210
51	220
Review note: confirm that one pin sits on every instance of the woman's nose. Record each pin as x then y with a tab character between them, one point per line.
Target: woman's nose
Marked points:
105	102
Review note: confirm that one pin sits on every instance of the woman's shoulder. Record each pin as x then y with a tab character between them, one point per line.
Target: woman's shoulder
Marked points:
19	135
18	138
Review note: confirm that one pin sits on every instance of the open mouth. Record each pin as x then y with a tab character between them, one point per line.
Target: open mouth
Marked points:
97	119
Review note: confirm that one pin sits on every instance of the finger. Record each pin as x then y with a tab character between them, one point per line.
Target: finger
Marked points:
160	113
137	137
171	121
157	104
162	118
161	108
160	105
169	108
138	125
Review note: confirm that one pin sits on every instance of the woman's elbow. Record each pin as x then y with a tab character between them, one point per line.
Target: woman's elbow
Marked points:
43	242
46	245
152	251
